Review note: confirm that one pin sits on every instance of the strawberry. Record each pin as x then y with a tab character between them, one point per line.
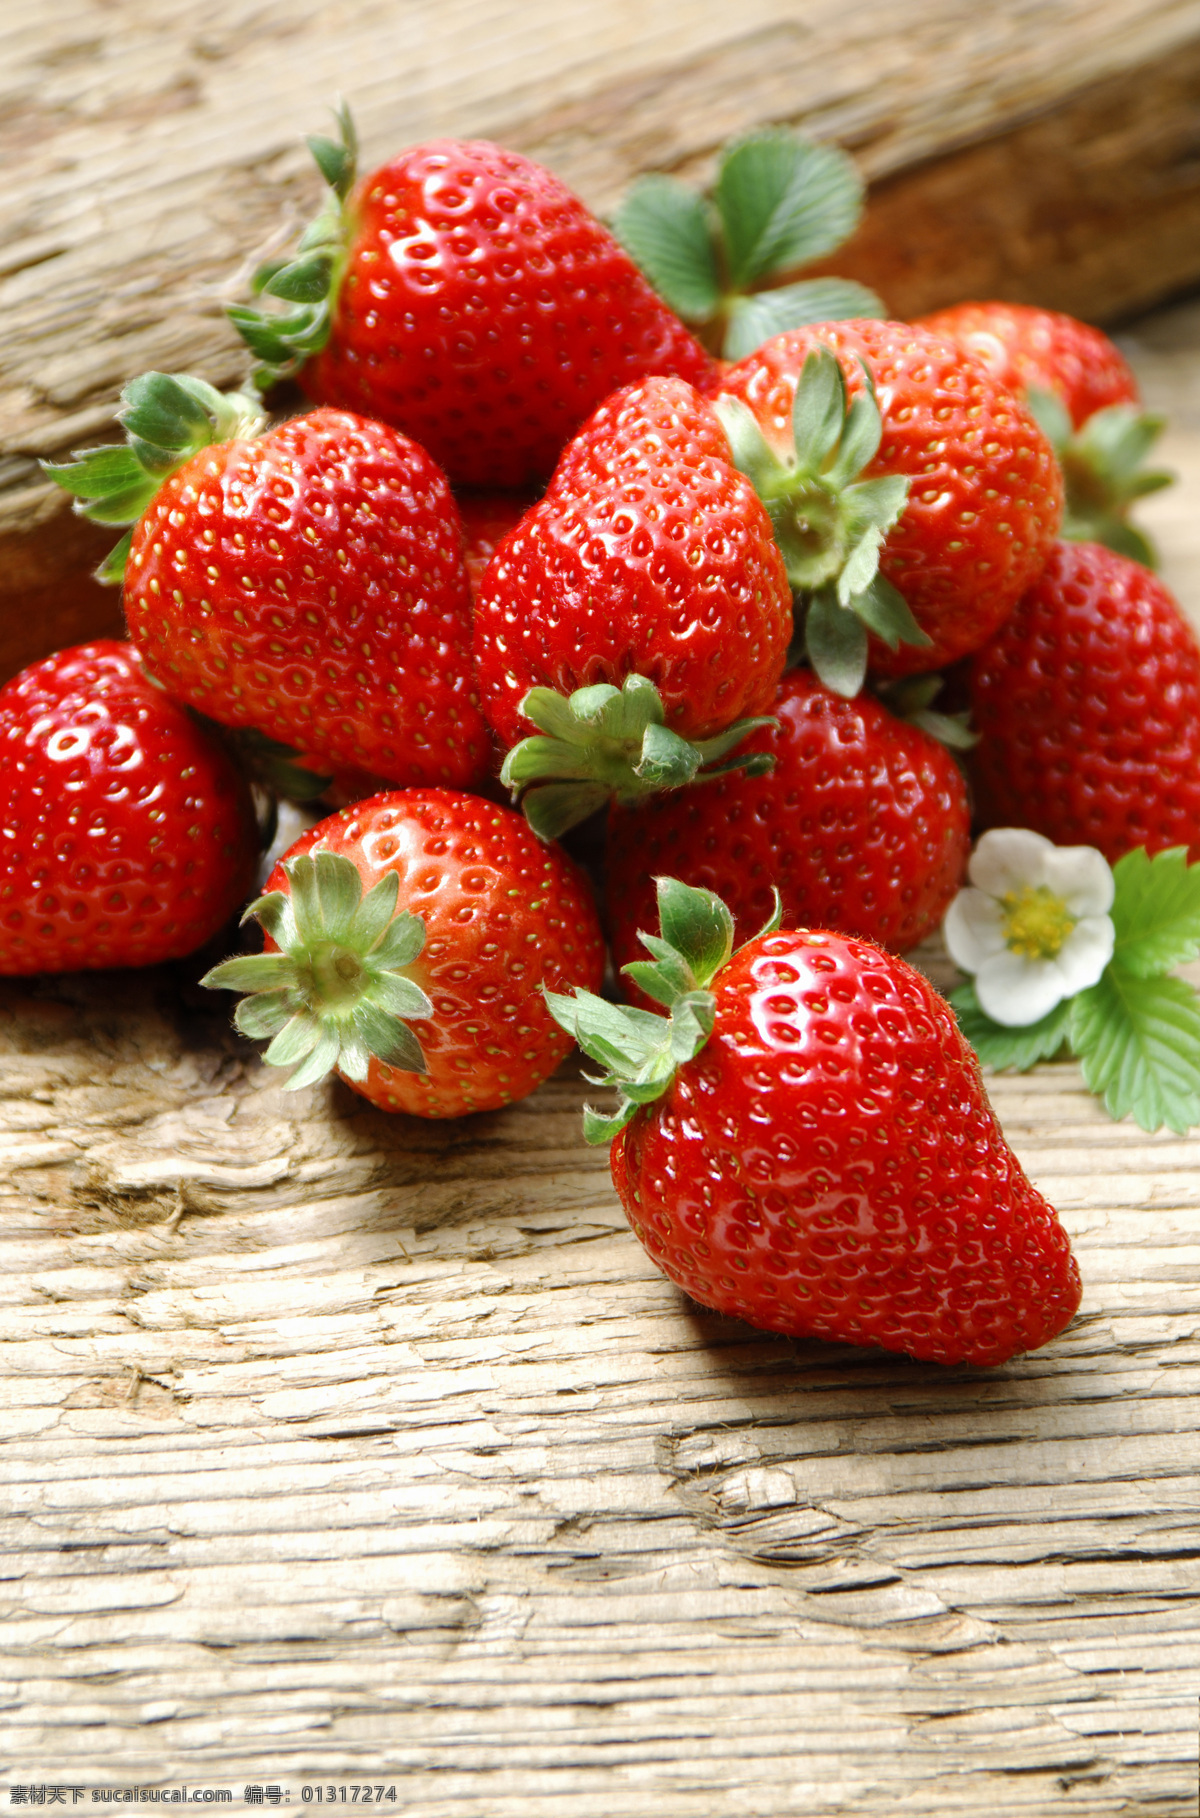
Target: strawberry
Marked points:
307	582
424	993
463	294
917	511
128	835
1085	397
805	1142
648	558
862	826
1028	349
1087	702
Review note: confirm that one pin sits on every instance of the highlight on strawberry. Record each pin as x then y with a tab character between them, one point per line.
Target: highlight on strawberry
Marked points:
464	295
304	582
1068	955
803	1140
779	202
408	940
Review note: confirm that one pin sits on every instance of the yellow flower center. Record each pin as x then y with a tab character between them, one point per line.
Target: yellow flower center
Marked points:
1036	922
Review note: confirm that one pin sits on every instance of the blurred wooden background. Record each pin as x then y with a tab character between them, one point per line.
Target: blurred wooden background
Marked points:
346	1448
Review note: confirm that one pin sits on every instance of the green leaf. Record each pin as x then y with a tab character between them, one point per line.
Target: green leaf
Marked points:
818	409
249	972
697	924
1003	1048
159	409
111	572
757	318
1155	912
97	472
1138	1042
666	229
886	612
1051	415
835	643
783	201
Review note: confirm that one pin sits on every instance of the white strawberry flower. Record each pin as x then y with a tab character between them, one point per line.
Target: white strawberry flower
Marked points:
1033	925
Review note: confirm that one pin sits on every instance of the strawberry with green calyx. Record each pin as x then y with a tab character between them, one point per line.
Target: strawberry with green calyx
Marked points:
779	202
1103	472
604	744
464	295
804	1142
168	418
408	939
983	491
859	821
1068	955
306	583
829	521
649	555
1081	389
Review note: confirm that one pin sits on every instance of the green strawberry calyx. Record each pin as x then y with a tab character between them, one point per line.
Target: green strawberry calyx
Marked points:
829	523
603	744
639	1050
306	284
1136	1031
779	202
336	994
168	417
1102	471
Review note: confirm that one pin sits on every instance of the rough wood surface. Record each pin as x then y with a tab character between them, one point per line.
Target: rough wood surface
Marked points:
1045	150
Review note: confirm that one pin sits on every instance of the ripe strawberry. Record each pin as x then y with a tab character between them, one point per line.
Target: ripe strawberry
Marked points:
805	1142
862	826
425	992
465	295
965	502
1083	394
650	557
1027	349
128	837
307	582
1087	703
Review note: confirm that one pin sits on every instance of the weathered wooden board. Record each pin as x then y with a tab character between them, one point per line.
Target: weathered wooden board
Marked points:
1042	149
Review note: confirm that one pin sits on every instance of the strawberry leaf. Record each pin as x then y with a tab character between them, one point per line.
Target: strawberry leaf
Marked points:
1138	1042
1155	912
835	642
1005	1048
783	201
665	226
756	318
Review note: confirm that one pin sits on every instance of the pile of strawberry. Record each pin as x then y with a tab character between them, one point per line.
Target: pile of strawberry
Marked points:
685	597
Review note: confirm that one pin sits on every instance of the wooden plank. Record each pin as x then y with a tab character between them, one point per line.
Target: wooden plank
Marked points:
1048	156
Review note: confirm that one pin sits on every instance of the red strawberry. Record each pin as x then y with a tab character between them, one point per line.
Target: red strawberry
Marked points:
307	582
1028	349
1085	398
425	992
128	836
650	557
806	1143
1087	703
862	826
465	295
975	497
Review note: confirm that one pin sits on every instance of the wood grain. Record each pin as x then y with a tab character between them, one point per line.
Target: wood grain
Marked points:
1047	153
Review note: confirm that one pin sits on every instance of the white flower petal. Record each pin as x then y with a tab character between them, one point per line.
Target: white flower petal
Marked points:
1085	953
1082	877
973	929
1009	858
1015	990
